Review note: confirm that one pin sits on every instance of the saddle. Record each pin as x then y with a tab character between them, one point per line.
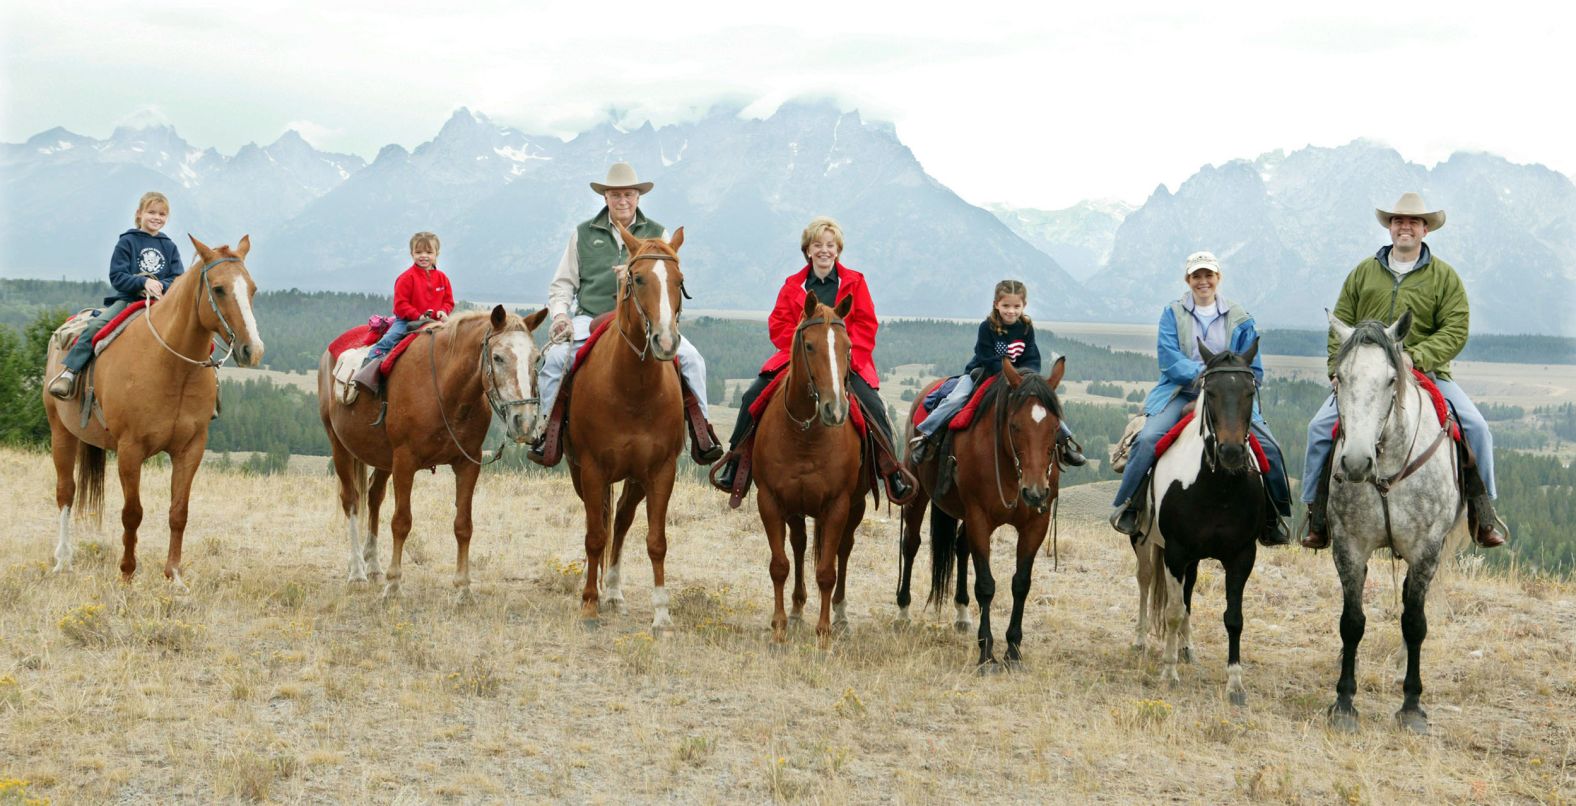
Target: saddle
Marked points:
350	348
701	437
1261	461
947	461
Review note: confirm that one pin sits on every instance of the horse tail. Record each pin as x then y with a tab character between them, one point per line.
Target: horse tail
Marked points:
358	487
90	481
943	540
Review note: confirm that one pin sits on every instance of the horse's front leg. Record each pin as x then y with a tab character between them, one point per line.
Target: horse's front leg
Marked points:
961	555
913	518
466	473
1353	570
63	450
1237	572
128	463
799	539
183	468
828	538
978	530
1414	628
845	549
1146	576
657	496
1030	537
597	494
623	518
1173	618
776	531
399	526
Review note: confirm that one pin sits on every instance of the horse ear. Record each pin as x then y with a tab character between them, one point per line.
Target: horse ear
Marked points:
1204	352
1342	330
534	321
844	305
1253	350
500	317
1011	373
810	301
677	240
202	249
630	241
243	247
1057	369
1402	326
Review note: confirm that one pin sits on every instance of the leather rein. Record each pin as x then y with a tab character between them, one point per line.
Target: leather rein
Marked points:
1212	444
207	286
1383	485
625	291
798	350
489	388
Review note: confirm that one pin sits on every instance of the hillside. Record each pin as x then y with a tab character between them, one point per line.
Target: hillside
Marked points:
274	680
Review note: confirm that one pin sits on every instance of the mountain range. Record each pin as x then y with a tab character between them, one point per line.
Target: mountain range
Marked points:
1287	226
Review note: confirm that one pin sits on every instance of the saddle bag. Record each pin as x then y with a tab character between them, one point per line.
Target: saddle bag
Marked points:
1124	446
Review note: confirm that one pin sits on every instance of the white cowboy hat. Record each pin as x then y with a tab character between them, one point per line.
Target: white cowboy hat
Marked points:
621	176
1411	204
1199	261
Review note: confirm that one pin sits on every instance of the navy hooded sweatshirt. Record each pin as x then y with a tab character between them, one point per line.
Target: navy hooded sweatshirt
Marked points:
139	252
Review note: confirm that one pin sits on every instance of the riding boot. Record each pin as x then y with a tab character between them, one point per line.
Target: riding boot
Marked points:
1487	529
1275	532
729	471
1318	531
921	447
1071	451
1125	519
64	385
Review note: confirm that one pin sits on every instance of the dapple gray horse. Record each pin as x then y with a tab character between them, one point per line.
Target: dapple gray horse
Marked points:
1393	484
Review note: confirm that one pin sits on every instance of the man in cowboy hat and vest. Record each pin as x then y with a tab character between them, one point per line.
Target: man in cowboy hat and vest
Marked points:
586	285
1407	276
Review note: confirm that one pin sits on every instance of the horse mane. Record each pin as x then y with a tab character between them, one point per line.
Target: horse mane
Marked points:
1002	397
1219	360
1372	331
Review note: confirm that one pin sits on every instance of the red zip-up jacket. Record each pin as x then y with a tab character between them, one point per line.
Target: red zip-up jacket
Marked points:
861	321
419	290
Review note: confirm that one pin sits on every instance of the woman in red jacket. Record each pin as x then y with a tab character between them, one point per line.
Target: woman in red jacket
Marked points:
830	281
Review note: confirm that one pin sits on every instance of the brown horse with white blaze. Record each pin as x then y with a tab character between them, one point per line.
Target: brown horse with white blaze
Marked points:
441	397
626	423
808	462
154	392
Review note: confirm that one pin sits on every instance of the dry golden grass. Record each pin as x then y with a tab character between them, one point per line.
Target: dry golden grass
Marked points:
274	680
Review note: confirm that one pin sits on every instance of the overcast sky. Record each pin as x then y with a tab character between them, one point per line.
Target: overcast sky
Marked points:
1001	101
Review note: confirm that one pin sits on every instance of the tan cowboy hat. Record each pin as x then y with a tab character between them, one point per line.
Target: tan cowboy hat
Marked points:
1411	204
1199	261
621	176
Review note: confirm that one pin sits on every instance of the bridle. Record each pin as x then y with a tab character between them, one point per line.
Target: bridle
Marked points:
799	349
626	291
207	287
489	388
1211	443
1003	431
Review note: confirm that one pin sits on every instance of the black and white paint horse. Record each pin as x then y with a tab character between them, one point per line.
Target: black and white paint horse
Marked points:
1209	505
1389	434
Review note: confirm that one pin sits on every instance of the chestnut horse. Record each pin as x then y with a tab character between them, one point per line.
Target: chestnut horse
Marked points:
626	423
442	395
1010	446
153	393
808	461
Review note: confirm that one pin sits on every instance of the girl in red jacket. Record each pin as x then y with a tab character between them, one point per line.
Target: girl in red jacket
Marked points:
831	282
421	291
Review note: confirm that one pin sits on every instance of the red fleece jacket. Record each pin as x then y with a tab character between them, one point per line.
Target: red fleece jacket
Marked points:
419	290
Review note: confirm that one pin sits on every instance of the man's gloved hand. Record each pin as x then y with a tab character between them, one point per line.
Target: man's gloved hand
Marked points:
562	328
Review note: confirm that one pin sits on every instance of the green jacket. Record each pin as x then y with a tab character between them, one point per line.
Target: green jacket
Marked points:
1432	292
599	249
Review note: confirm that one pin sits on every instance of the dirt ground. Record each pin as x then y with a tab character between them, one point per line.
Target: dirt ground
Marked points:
273	679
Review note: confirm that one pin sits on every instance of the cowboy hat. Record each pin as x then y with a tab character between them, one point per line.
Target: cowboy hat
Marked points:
621	176
1411	204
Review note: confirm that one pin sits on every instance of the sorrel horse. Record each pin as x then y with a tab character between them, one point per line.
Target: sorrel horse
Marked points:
1391	485
626	423
442	395
1010	446
808	462
1209	504
153	393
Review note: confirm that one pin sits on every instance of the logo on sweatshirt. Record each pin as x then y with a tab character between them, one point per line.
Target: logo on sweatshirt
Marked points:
151	261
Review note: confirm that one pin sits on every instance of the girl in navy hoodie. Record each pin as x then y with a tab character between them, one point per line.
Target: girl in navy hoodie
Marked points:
144	264
1007	334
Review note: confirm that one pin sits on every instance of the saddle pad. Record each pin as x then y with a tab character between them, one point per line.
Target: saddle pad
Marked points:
925	407
66	335
365	336
1441	410
345	367
108	332
597	329
965	417
1170	437
856	411
934	397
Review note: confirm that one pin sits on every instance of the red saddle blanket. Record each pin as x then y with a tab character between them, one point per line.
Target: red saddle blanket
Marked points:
108	331
965	416
1441	410
1176	430
856	413
365	336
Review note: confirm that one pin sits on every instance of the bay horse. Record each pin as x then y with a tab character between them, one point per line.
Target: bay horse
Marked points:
626	423
1209	503
153	393
1389	434
1011	445
809	462
441	395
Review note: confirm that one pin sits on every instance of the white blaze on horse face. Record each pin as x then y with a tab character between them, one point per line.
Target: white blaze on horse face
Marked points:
831	357
243	300
665	318
1038	413
1364	400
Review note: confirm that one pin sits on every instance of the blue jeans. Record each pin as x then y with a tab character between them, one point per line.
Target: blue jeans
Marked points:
557	356
82	352
1473	427
390	340
1143	456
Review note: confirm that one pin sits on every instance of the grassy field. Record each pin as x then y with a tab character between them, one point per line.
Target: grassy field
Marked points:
274	680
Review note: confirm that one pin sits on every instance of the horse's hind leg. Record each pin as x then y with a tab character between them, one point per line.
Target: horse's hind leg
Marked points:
1171	620
1414	628
960	600
377	489
1188	580
828	540
183	468
399	525
465	475
798	537
623	518
63	450
1353	570
1146	576
845	548
351	477
1237	572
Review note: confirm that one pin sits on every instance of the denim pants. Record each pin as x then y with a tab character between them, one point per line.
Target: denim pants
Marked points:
1156	425
556	358
82	352
954	403
391	338
1473	427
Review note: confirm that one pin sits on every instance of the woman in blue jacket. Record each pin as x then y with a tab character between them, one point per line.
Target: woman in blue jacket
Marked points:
1200	314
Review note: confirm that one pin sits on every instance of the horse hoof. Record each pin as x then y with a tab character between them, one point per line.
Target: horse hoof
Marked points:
614	606
962	626
1239	698
590	624
375	576
841	628
795	620
1412	721
1186	655
1342	720
1013	664
464	597
988	668
902	625
391	590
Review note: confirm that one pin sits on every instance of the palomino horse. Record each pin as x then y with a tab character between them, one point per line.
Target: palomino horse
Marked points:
626	423
154	392
808	462
442	396
1210	503
1389	434
1013	448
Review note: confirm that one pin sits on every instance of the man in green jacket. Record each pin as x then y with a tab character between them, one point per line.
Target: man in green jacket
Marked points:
1406	276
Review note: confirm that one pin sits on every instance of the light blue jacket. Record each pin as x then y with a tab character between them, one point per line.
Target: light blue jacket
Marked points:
1173	349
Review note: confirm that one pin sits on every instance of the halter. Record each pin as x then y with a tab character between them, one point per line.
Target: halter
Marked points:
229	332
1002	410
489	388
626	292
798	348
1211	444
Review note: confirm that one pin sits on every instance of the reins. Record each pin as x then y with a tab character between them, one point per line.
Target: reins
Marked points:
798	350
626	291
229	332
1207	422
489	389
